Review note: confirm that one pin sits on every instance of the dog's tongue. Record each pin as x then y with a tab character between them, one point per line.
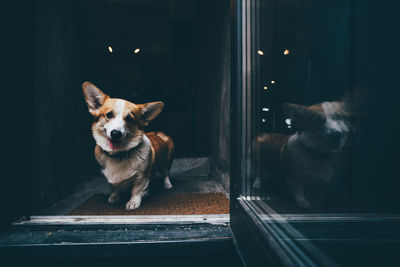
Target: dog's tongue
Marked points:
112	145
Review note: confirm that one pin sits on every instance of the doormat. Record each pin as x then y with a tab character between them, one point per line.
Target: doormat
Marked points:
159	204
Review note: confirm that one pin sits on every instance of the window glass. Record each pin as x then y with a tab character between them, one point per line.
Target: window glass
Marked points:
318	129
308	119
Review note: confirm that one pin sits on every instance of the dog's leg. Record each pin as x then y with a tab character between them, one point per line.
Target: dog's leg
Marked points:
167	182
139	189
167	168
115	195
297	189
257	180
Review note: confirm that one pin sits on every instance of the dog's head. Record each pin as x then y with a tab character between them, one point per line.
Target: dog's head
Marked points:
118	124
323	126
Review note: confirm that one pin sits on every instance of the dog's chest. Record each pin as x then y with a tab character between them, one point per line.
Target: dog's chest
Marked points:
119	170
305	163
319	169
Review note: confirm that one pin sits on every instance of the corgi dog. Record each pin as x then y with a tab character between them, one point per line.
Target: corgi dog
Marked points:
307	155
127	155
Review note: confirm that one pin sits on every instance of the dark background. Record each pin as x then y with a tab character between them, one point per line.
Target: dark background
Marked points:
52	47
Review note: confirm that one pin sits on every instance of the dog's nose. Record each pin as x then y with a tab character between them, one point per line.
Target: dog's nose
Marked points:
115	134
335	136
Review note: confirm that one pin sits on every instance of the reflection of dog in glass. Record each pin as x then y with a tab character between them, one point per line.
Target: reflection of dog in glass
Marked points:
309	153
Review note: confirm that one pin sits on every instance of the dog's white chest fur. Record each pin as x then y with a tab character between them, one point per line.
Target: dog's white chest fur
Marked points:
118	170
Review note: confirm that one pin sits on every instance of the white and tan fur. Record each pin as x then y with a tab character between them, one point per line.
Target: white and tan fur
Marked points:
308	154
127	155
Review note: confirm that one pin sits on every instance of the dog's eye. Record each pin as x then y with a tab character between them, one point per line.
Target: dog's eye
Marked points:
110	115
128	118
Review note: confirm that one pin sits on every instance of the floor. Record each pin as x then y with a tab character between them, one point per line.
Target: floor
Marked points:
191	183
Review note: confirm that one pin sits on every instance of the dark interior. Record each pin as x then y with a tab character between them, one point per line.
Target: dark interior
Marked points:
183	61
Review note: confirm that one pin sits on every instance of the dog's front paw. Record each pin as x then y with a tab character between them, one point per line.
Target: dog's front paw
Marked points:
113	198
167	183
257	183
133	204
302	202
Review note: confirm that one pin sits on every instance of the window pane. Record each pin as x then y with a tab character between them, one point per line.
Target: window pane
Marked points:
319	144
308	116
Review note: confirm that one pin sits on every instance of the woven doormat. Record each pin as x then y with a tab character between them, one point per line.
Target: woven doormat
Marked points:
159	204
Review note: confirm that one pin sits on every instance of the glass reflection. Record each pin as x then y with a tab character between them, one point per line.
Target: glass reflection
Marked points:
289	165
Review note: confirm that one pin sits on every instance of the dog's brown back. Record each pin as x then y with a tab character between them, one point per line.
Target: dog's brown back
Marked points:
162	148
268	148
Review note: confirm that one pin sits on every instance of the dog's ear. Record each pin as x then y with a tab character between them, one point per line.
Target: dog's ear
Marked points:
293	110
297	113
94	97
150	111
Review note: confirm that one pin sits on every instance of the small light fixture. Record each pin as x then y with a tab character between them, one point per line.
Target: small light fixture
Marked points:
286	52
263	120
110	49
265	87
137	50
288	122
273	82
260	52
265	109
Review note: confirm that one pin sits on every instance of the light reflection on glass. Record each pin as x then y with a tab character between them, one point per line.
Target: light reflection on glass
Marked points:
265	87
260	52
286	52
110	49
263	120
137	50
272	81
265	109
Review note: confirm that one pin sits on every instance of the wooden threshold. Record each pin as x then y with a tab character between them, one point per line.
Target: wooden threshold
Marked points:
217	219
